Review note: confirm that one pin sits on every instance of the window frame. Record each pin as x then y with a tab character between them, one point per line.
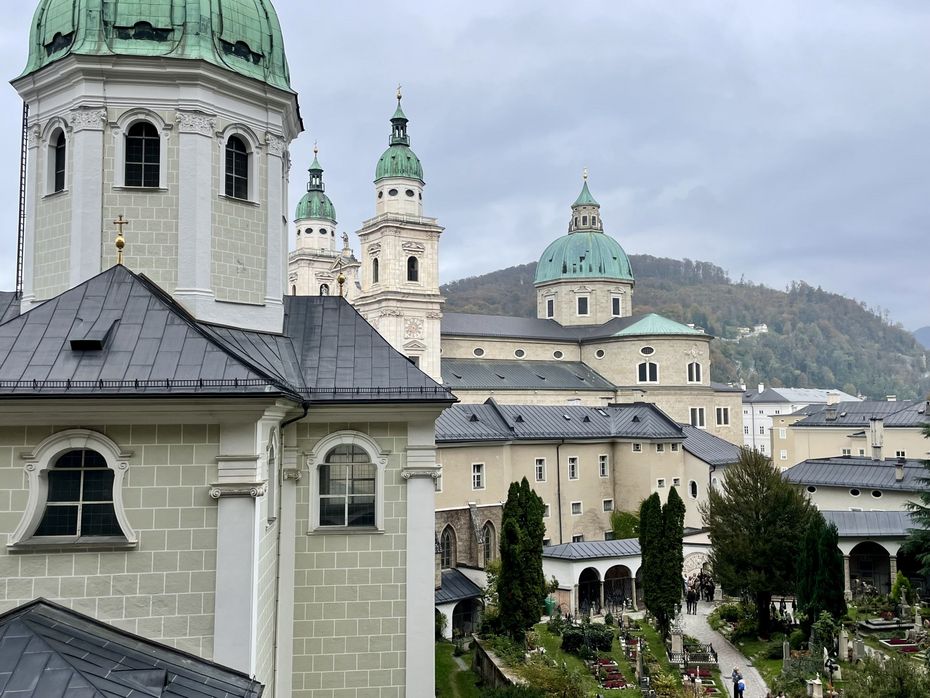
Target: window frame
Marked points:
41	460
413	269
481	483
234	160
489	534
616	306
587	305
58	147
252	149
540	463
550	308
121	133
603	465
700	411
273	475
450	552
695	372
316	459
693	489
722	411
573	466
580	511
607	505
652	376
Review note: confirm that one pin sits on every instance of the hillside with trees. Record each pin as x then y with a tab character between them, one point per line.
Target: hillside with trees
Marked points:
815	338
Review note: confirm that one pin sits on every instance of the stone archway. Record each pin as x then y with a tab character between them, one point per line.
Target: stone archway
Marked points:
870	568
694	563
618	587
465	617
589	591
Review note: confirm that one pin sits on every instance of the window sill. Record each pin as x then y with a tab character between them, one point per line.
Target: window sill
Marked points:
244	202
54	194
346	530
143	190
71	544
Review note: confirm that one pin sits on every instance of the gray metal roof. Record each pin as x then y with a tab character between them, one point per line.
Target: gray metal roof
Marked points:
455	586
500	374
862	473
798	395
709	448
120	334
870	524
495	422
911	413
593	550
49	651
9	305
473	325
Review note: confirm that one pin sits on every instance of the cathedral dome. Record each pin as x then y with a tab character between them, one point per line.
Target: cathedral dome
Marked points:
315	204
584	255
399	160
243	36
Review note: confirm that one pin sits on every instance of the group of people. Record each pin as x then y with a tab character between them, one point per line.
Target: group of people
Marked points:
698	587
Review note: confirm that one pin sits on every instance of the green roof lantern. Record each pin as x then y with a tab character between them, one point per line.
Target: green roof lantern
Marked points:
586	252
243	36
399	160
315	203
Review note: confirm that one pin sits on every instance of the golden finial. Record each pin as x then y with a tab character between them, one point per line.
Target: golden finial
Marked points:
120	240
316	149
399	95
584	174
341	279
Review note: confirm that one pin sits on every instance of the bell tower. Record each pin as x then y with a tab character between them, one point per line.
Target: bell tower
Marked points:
399	292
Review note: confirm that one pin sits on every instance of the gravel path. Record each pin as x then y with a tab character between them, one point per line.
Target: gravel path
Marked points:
728	656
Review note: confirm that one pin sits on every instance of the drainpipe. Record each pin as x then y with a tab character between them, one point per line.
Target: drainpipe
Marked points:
558	485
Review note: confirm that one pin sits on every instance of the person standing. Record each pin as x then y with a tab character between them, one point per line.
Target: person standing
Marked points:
737	677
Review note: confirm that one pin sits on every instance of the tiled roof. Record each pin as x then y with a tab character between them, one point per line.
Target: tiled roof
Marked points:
49	651
455	586
495	422
120	334
862	473
912	413
709	448
498	374
593	550
870	524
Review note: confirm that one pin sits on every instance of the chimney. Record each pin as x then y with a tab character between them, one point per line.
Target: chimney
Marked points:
830	413
761	388
899	469
891	398
833	398
876	436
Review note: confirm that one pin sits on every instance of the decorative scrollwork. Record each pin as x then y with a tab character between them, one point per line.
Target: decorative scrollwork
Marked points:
195	122
87	119
276	145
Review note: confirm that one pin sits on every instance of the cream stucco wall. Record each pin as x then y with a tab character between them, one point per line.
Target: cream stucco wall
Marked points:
793	444
599	292
843	499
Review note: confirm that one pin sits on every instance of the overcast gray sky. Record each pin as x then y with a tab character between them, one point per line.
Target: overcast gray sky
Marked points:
781	140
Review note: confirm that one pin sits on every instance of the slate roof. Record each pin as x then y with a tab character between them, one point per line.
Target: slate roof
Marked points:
846	471
910	413
495	422
499	374
870	524
798	395
593	550
49	651
120	334
456	587
9	305
473	325
709	448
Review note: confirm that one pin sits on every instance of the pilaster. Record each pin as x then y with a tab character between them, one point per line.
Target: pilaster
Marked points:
276	259
32	199
86	153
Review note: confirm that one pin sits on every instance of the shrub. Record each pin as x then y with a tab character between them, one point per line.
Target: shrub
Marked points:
591	638
556	624
797	639
730	612
512	692
774	651
608	619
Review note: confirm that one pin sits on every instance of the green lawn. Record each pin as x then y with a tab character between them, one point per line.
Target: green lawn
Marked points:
756	651
553	645
451	681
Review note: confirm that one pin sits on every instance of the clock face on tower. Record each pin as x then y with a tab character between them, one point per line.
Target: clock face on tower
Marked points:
413	328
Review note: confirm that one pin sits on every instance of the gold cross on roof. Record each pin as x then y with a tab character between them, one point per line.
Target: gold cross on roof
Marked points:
120	240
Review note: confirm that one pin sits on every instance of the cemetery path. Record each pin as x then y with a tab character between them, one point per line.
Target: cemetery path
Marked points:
728	656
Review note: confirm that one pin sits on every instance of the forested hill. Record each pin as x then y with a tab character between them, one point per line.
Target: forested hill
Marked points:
814	339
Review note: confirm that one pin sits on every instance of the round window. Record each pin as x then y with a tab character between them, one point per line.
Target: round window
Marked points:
478	351
811	489
322	231
599	354
647	351
409	193
392	192
557	354
877	494
519	353
308	231
854	492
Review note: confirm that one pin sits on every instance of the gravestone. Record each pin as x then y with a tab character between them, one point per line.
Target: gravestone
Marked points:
858	649
785	653
844	645
815	688
678	643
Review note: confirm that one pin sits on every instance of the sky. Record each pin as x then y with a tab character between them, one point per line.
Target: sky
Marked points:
783	141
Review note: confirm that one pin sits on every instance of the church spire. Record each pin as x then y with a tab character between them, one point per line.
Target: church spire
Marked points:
585	210
399	124
316	172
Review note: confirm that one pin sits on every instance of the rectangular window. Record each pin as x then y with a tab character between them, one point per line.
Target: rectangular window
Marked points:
648	372
762	431
550	307
694	372
540	470
572	468
477	476
761	448
723	416
861	451
602	465
675	448
697	417
582	305
660	483
576	508
615	306
608	504
746	430
676	482
578	538
608	535
783	454
900	454
637	448
782	433
847	452
660	448
546	541
546	512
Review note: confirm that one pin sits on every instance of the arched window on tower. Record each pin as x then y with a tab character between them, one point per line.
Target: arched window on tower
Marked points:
143	155
647	372
413	269
694	372
61	154
237	168
374	270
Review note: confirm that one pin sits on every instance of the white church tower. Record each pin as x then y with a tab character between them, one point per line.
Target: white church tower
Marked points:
178	116
399	292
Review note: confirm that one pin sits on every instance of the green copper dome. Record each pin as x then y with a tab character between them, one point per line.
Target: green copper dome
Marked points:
399	160
315	203
243	36
584	255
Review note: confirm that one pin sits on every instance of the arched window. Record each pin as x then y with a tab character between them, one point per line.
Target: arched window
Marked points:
413	269
324	289
648	372
694	372
447	545
490	542
693	489
237	168
272	496
143	155
374	270
75	487
347	487
61	154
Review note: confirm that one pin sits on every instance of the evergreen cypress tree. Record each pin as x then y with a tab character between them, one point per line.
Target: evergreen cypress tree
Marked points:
829	581
918	540
807	565
650	545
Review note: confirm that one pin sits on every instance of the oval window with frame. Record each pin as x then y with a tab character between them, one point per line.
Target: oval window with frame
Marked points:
647	351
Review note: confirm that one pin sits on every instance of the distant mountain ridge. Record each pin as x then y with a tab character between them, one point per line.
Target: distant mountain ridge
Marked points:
923	336
815	339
